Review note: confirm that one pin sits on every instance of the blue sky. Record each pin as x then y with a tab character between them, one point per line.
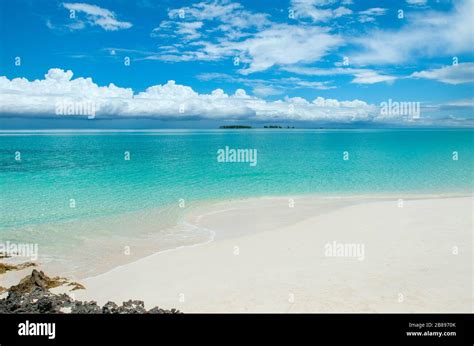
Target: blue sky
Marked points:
267	61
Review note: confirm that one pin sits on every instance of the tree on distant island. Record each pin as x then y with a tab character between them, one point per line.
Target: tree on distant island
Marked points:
249	127
235	127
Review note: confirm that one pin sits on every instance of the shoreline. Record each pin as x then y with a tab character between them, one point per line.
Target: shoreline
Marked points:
354	200
204	208
129	278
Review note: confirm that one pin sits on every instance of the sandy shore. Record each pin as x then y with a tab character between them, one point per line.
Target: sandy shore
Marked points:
395	259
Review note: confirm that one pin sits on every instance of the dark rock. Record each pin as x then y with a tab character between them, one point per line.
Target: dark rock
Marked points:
157	310
45	305
110	308
86	308
32	295
132	307
37	279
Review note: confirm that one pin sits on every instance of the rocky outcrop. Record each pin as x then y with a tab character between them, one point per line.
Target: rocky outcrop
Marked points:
37	279
32	295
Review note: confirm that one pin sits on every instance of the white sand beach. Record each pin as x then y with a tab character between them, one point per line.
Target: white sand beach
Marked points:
268	257
409	262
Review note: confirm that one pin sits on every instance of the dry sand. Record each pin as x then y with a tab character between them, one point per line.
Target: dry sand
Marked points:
267	257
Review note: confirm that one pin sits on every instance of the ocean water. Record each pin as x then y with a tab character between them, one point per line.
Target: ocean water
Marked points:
65	181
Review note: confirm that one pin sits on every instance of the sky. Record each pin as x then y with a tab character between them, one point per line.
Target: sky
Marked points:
198	63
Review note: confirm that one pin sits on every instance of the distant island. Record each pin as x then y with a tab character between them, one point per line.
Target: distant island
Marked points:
278	127
235	127
249	127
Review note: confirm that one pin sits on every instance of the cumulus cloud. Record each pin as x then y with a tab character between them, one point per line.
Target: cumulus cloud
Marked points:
22	97
95	15
453	74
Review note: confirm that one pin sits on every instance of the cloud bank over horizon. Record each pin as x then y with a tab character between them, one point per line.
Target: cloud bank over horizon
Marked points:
41	97
59	90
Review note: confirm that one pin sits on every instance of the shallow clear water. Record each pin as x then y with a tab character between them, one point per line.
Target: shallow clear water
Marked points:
166	166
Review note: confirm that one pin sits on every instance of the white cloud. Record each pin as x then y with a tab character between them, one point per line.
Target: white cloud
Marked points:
312	84
95	15
40	97
267	87
231	15
225	30
279	44
417	2
317	10
427	34
341	11
206	11
452	74
190	30
286	45
362	76
371	77
374	11
467	104
266	90
187	30
368	16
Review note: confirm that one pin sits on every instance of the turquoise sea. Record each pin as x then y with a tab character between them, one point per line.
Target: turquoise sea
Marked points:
71	178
